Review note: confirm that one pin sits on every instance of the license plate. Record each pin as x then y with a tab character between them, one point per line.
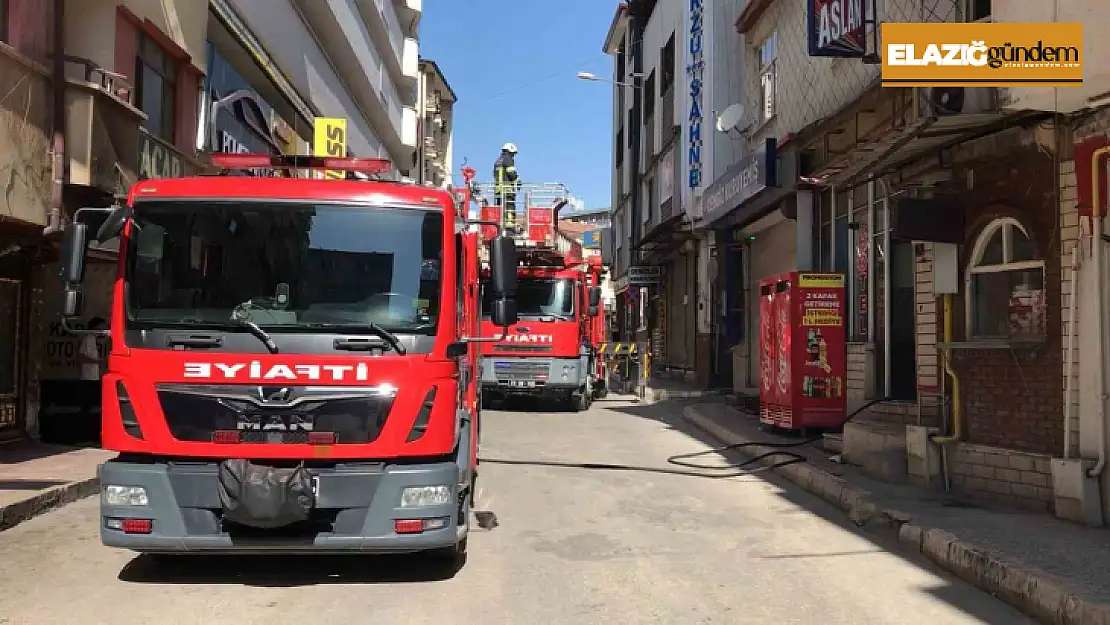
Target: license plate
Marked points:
522	383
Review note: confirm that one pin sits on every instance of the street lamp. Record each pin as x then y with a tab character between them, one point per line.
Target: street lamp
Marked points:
594	78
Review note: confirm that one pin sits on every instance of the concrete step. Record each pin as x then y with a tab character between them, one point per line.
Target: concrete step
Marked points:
833	443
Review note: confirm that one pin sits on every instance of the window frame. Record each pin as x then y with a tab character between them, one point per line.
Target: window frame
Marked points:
5	15
16	339
975	267
169	74
667	65
767	71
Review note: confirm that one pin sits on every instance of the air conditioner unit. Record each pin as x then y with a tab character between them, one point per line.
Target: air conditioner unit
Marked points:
949	101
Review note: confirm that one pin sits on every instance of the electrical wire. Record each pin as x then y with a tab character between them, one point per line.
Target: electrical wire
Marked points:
712	471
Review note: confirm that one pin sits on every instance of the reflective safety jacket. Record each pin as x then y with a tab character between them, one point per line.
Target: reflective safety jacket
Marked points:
505	177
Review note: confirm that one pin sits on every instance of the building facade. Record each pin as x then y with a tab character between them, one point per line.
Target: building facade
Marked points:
357	60
659	260
963	353
147	90
436	101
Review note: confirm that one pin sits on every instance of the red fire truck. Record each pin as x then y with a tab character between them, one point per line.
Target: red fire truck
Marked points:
292	362
550	352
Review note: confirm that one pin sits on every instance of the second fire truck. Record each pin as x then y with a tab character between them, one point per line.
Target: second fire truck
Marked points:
550	353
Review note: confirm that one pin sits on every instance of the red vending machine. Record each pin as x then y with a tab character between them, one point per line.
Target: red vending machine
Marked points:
803	356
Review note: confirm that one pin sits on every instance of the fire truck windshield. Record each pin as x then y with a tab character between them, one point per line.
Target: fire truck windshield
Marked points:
539	297
286	266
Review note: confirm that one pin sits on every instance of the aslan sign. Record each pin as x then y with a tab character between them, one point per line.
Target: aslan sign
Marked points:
837	28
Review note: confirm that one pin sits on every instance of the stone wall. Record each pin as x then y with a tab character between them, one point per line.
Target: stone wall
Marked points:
1004	475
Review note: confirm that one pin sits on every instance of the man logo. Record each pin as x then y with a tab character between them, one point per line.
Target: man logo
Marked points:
273	394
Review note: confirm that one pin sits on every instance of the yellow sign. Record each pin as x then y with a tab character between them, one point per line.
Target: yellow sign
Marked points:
821	280
821	317
983	54
330	139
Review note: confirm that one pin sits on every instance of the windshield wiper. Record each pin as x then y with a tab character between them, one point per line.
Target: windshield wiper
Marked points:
251	327
374	328
543	317
242	316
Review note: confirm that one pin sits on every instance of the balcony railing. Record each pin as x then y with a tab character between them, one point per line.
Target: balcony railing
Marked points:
102	128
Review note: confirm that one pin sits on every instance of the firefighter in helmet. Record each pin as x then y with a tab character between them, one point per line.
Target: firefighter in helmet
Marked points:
506	184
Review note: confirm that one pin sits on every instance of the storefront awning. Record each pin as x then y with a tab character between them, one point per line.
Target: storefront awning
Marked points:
666	236
874	158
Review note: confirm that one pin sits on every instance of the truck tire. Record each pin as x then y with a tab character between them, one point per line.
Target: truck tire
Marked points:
580	401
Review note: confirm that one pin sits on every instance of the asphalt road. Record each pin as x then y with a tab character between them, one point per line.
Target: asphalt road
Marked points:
573	546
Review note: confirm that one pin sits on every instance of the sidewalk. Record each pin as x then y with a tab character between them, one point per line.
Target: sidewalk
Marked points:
36	478
1052	570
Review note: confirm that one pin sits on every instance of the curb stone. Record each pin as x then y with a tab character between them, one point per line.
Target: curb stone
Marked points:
15	513
1023	589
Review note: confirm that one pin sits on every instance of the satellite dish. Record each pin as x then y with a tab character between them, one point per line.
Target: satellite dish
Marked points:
728	118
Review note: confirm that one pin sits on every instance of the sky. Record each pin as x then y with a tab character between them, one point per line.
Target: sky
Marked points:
512	64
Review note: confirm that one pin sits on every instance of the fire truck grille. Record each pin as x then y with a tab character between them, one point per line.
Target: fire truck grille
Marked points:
533	349
196	413
532	370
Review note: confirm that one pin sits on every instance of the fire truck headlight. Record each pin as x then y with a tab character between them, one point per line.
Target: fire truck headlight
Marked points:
420	496
125	496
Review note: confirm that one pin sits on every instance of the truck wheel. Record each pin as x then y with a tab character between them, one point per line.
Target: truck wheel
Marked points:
579	401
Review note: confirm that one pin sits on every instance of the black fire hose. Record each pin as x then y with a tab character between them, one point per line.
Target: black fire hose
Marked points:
712	471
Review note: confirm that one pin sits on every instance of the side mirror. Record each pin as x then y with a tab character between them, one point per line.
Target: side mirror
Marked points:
112	226
593	310
504	312
74	242
73	302
503	264
457	349
595	297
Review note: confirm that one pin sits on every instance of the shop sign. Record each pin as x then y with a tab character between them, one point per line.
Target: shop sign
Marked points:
240	124
591	239
750	175
694	70
666	176
837	28
158	160
644	274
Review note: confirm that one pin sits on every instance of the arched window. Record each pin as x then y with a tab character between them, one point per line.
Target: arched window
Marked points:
1004	284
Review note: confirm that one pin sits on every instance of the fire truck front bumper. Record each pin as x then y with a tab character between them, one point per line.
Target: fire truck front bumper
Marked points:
359	507
532	375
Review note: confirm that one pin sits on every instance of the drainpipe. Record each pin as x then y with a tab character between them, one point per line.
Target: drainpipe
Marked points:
58	147
1069	353
1096	258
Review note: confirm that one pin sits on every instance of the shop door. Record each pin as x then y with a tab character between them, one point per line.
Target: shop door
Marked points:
903	359
690	309
676	317
729	308
11	292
